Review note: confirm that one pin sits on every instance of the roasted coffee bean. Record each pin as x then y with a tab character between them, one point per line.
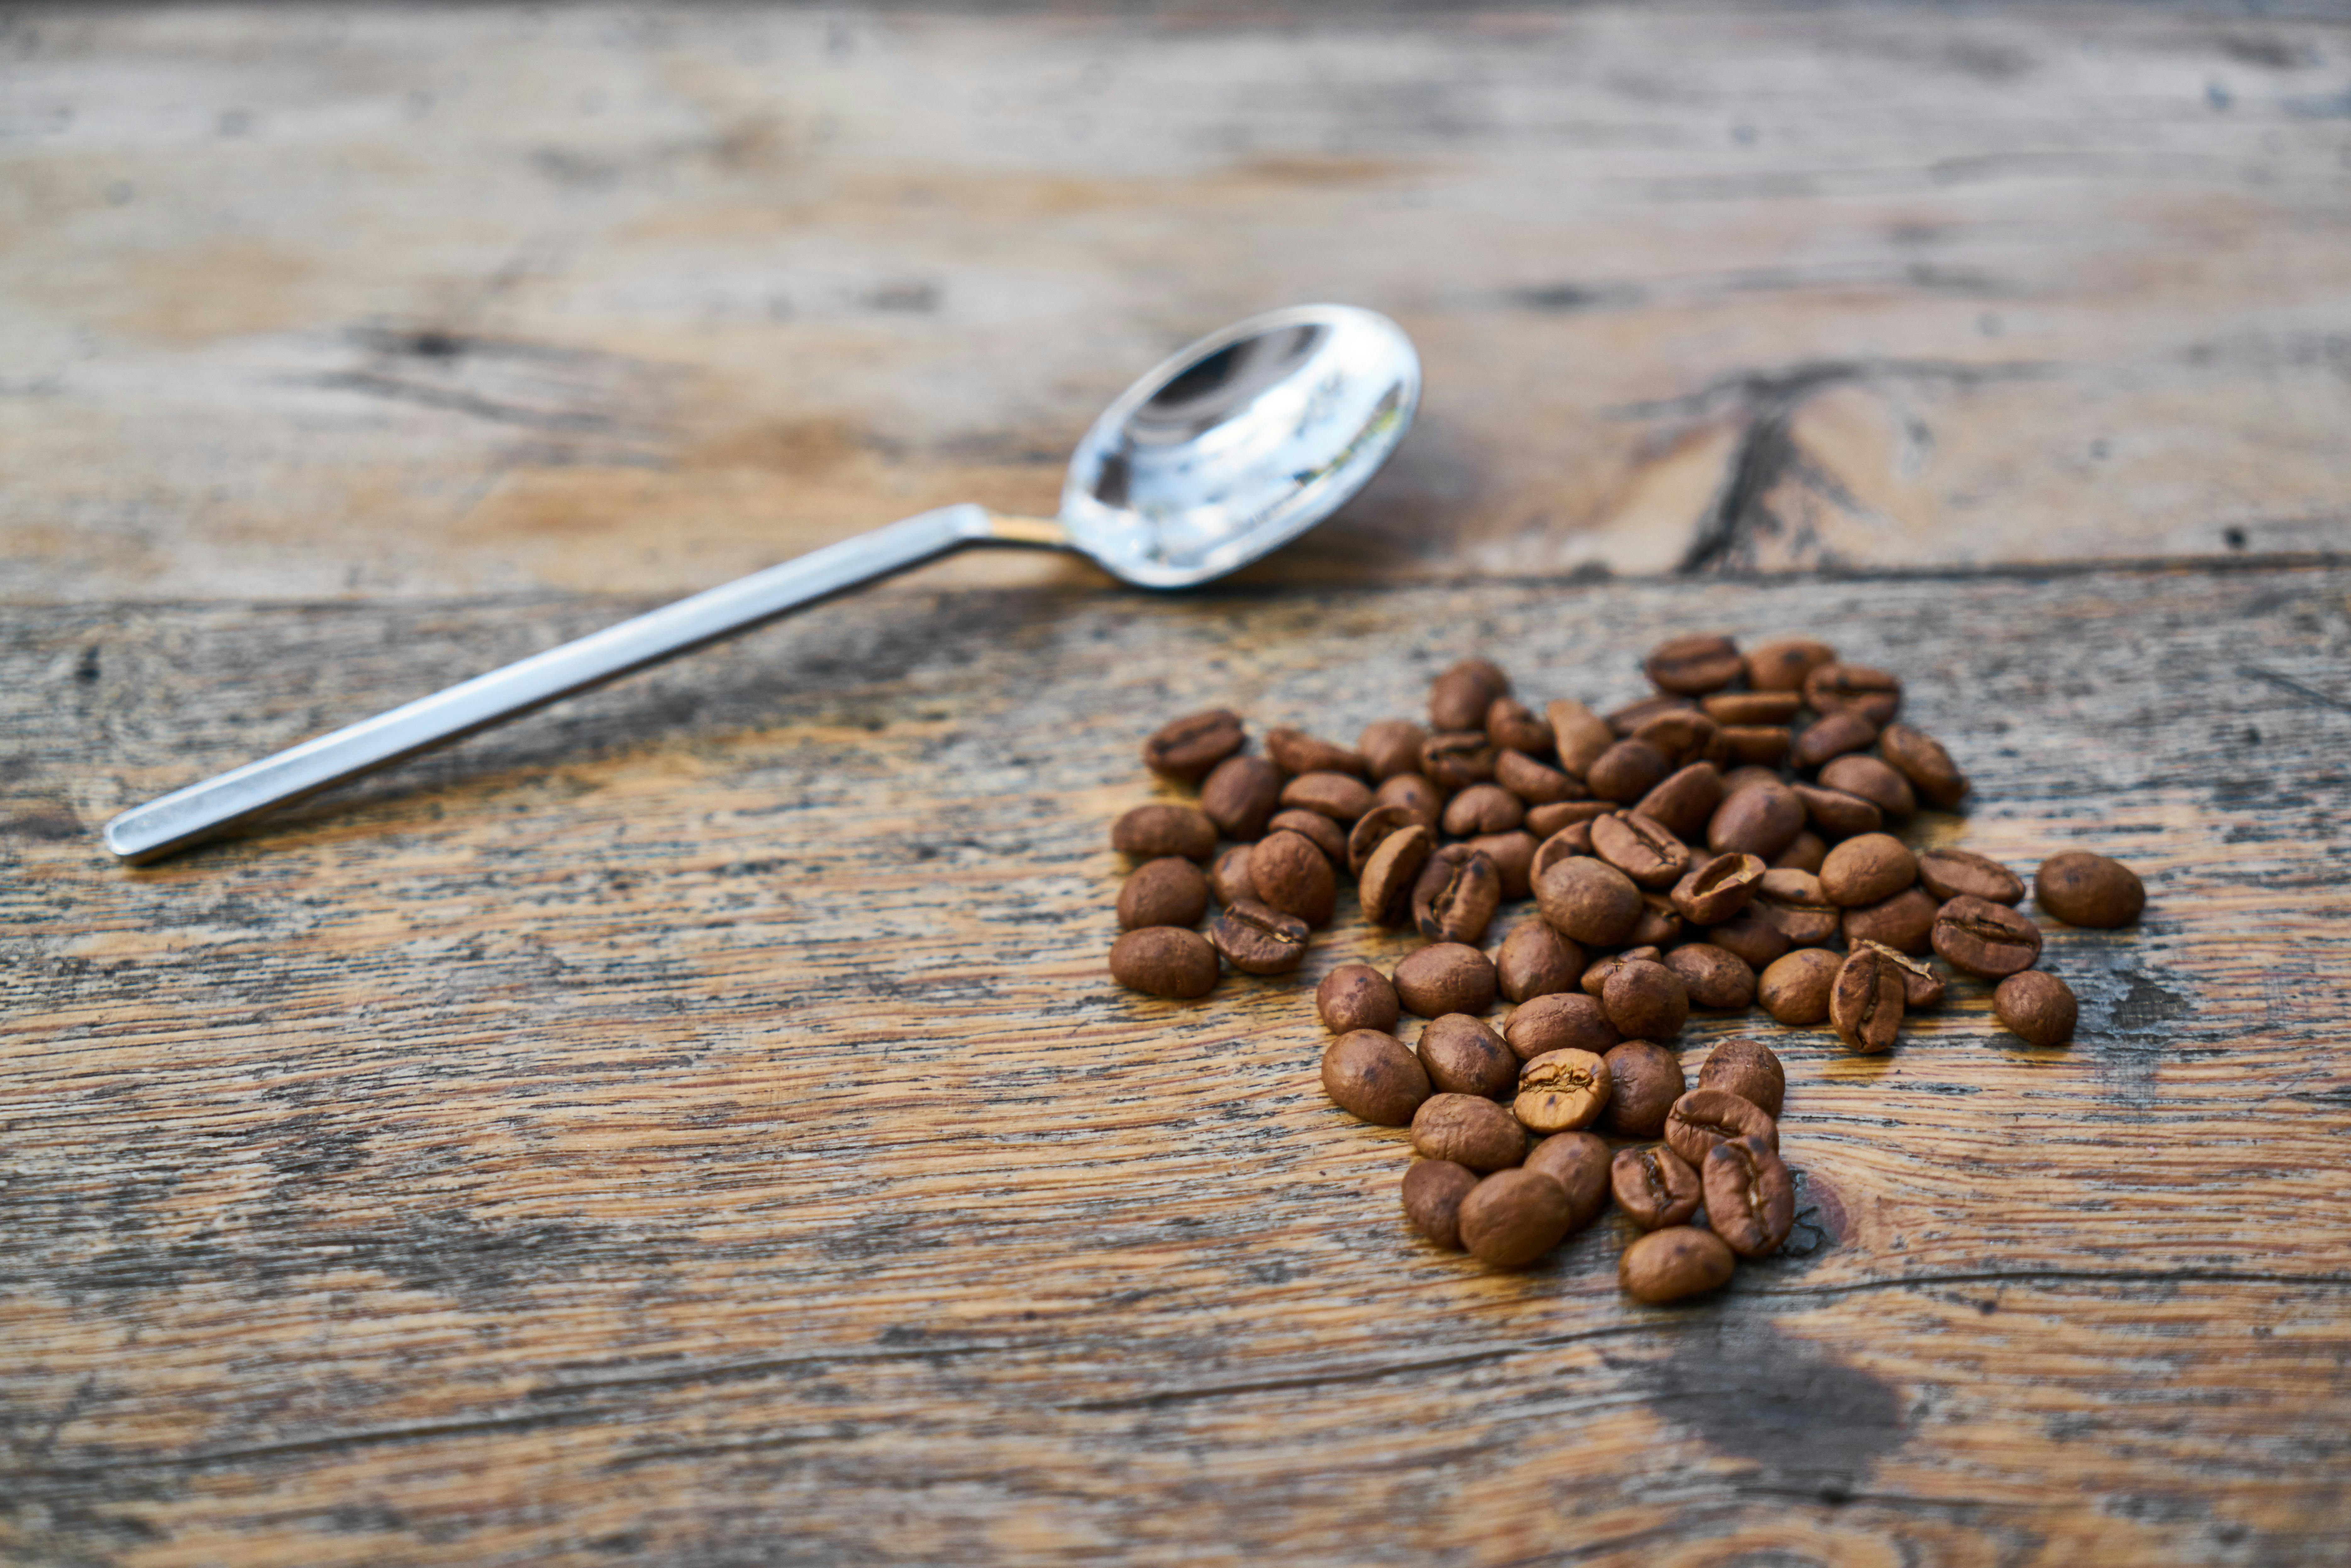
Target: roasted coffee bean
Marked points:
1482	809
1865	1001
1748	1069
1743	708
1228	876
1749	939
1415	793
1905	922
1717	978
1241	795
1166	891
1185	748
1456	896
1738	779
1560	1091
1455	760
1356	995
1757	744
1750	1200
1370	830
1164	961
1532	781
1857	689
1560	1021
1803	925
1783	665
1596	973
1626	772
1830	736
1675	1263
1295	752
1718	887
1695	664
1705	1117
1463	1056
1445	978
1579	1163
1837	814
1468	1130
1646	1000
1588	901
1922	987
1432	1191
1644	850
1806	851
1660	925
1643	1080
1256	940
1921	759
1681	737
1391	747
1385	887
1150	833
1459	698
1341	797
1568	843
1316	828
1628	719
1514	727
1513	855
1684	802
1513	1217
1548	822
1578	736
1870	869
1761	819
1873	781
1986	939
2084	889
2037	1007
1536	961
1949	873
1293	876
1794	989
1655	1186
1372	1075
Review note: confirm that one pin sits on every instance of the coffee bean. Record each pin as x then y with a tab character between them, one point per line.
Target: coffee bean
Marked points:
1384	888
1588	901
1445	978
1749	939
1293	876
1513	1217
1356	995
1316	828
1459	698
1164	961
1513	855
1681	737
1549	821
1560	1021
1415	793
1870	869
1455	760
1986	939
1626	772
1240	794
1718	887
1644	850
1513	725
1579	735
1865	1001
1873	781
1837	815
1185	748
1783	665
1922	987
1921	759
1579	1163
1570	843
1717	978
1655	1186
1948	874
1229	877
1596	973
1704	1118
1296	752
1372	1075
1534	782
1744	708
2084	889
1341	797
1750	1200
1791	903
1536	961
1738	779
2037	1007
1468	1130
1391	747
1758	820
1165	892
1627	720
1455	897
1646	1000
1832	735
1684	802
1150	833
1659	926
1794	989
1765	746
1370	830
1256	940
1806	851
1643	1080
1695	664
1905	922
1432	1191
1560	1091
1462	1056
1748	1069
1673	1263
1482	809
1857	689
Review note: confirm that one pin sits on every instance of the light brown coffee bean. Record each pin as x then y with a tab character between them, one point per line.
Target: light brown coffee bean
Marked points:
1646	1000
1160	829
1905	922
1256	940
1865	1001
1783	665
1736	708
1468	1130
1560	1021
1463	1056
1168	891
1385	887
1512	726
1921	759
1750	1201
1549	821
1513	855
1873	781
1806	851
1164	961
1655	1186
1985	939
1746	777
1445	978
1870	694
1391	747
1356	995
1748	1069
1513	1217
1482	809
1749	939
1675	1263
1185	748
1297	753
1415	793
1568	843
1717	978
1949	873
1837	814
1703	1118
1560	1091
1804	918
1645	1079
1830	736
1459	698
1229	875
1588	901
1455	760
1759	820
1536	961
1718	887
1534	782
1626	720
1794	989
1761	745
1660	925
1922	987
1432	1191
1370	830
1644	850
1695	664
1316	828
1579	1163
1579	735
1341	797
2037	1007
1289	874
2091	890
1372	1075
1240	794
1456	896
1681	737
1686	801
1626	772
1867	870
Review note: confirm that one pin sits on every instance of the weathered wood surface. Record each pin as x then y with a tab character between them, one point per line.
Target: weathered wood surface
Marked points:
694	1125
308	302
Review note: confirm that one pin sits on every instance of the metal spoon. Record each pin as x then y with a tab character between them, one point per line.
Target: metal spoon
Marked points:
1234	446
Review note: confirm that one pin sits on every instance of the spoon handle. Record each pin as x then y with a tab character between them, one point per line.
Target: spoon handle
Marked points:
185	816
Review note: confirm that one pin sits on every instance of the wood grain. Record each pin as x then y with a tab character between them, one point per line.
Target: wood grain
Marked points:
694	1125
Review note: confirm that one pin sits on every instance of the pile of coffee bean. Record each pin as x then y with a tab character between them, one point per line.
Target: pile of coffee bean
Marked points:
1721	843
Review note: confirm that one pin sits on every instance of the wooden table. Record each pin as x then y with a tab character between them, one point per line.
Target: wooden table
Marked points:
694	1125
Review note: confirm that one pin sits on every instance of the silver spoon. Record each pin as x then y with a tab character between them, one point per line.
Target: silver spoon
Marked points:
1233	447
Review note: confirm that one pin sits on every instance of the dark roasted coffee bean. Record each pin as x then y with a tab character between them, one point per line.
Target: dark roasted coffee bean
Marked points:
1579	1163
1752	708
2084	889
1655	1186
1536	961
1459	698
1750	938
1316	828
1705	1117
1646	1000
1673	1264
1463	1056
1750	1200
1341	797
1922	987
1391	747
1869	694
1562	1091
1748	1069
1642	849
1164	961
1921	759
1695	664
1625	720
1782	666
1295	752
1832	736
1455	760
1681	737
1415	793
2037	1007
1185	748
1759	820
1445	978
1532	781
1717	888
1229	877
1372	1075
1717	978
1483	808
1837	814
1560	1021
1756	745
1643	1080
1806	851
1948	874
1513	1217
1626	772
1986	939
1588	901
1513	855
1166	891
1256	940
1468	1130
1432	1191
1370	830
1873	781
1149	832
1865	1001
1289	874
1660	925
1456	896
1870	869
1549	821
1578	736
1356	995
1240	794
1905	922
1384	888
1568	843
1794	989
1686	800
1512	726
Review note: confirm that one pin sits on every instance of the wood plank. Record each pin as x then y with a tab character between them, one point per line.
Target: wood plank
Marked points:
694	1126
